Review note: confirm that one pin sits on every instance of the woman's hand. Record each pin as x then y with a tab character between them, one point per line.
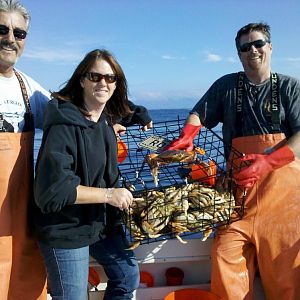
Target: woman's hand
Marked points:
119	197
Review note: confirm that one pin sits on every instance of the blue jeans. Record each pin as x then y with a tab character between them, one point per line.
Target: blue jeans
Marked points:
67	269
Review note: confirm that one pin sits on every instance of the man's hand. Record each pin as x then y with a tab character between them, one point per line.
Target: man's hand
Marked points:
186	138
119	129
147	126
262	164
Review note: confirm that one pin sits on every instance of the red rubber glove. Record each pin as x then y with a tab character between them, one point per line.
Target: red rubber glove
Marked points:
263	164
186	138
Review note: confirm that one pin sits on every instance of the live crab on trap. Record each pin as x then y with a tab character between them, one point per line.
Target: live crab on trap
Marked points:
177	193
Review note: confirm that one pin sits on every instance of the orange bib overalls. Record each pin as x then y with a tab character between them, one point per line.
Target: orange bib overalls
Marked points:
268	236
22	272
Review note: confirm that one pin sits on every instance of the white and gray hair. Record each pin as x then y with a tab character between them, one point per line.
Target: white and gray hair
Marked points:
15	6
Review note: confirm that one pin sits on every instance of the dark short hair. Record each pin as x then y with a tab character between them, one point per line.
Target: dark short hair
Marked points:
118	106
15	6
262	27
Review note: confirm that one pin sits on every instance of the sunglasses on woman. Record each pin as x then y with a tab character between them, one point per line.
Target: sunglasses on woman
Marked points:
18	33
97	77
257	44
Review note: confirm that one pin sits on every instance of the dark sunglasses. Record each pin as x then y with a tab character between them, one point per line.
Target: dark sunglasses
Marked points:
257	44
96	77
18	33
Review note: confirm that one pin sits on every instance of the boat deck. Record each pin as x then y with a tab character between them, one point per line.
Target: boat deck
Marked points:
193	258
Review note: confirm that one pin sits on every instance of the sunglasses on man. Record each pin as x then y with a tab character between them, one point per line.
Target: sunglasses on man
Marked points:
97	77
18	33
257	44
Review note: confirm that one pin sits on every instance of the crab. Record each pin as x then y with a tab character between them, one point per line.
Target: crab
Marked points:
170	156
173	156
150	214
191	208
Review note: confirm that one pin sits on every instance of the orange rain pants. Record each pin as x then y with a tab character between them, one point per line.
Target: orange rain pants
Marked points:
22	272
268	236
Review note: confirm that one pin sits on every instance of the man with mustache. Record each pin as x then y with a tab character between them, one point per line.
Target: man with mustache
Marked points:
22	103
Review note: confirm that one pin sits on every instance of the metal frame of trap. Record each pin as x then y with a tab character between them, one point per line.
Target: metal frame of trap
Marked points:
135	173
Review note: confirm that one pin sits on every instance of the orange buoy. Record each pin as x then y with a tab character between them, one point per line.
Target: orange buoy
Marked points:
204	173
122	151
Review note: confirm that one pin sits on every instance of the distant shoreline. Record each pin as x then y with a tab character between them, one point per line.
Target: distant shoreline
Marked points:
170	109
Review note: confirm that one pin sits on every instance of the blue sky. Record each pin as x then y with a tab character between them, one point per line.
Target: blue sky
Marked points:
170	50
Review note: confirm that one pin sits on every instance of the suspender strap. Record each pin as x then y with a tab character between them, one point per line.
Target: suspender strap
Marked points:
24	92
239	103
275	105
1	122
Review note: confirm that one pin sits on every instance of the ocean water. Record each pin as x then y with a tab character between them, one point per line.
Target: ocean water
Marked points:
161	115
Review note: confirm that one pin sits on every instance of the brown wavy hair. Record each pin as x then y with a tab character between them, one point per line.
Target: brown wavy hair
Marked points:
117	107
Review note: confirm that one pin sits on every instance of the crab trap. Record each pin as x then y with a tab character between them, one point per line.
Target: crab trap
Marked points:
177	193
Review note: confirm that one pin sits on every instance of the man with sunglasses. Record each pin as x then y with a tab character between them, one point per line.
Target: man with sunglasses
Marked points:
22	103
260	112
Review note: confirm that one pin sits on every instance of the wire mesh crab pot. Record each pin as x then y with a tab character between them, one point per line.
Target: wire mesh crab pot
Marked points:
178	193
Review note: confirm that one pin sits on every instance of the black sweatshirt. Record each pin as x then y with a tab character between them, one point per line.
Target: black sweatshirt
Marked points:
74	151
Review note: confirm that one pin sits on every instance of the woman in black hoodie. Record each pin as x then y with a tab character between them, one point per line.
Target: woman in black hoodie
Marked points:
77	197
